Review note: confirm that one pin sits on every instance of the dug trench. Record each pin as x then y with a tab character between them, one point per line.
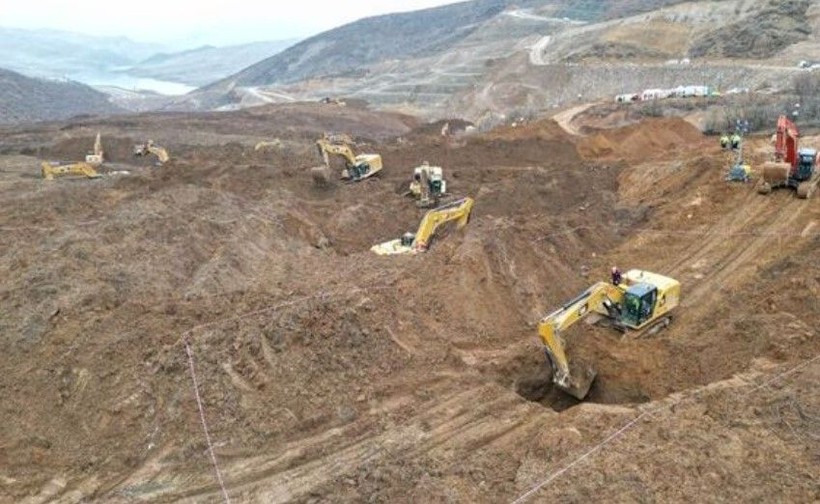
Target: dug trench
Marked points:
321	363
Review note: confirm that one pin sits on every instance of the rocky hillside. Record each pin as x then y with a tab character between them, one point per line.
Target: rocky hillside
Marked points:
24	99
493	57
775	27
346	50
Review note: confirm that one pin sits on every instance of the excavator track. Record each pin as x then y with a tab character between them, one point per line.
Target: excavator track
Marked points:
806	189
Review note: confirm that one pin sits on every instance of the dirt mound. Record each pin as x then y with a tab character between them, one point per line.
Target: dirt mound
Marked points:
651	139
435	128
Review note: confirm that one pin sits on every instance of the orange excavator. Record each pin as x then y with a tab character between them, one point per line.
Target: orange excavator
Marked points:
793	167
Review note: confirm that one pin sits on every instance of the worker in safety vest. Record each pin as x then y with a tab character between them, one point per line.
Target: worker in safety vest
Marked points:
735	141
724	141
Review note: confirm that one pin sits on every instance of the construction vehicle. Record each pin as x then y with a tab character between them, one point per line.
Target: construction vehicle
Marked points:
641	302
150	148
458	211
52	170
793	167
428	185
95	158
356	167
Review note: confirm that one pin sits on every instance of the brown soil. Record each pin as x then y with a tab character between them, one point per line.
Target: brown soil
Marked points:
330	374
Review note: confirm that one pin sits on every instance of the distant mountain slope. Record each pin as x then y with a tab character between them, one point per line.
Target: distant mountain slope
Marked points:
775	27
475	59
52	53
24	99
346	49
206	64
393	36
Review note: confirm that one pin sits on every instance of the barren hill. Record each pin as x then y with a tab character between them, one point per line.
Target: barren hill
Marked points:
24	99
499	57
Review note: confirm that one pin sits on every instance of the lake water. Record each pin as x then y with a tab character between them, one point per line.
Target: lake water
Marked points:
132	83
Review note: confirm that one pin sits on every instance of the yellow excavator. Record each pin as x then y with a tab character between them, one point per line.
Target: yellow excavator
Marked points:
458	211
95	158
87	168
428	185
642	301
150	148
50	171
356	167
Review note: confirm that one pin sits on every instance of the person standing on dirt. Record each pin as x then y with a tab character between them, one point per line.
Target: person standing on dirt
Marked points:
616	276
724	141
735	141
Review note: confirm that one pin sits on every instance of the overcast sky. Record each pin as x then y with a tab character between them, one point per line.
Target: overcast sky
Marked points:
196	22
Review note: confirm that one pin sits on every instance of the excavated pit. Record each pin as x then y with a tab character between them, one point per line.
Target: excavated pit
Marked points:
530	376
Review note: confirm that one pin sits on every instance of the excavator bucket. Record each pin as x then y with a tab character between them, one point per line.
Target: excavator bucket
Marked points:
776	173
321	175
581	376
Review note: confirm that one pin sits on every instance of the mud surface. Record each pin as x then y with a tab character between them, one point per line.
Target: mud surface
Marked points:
330	374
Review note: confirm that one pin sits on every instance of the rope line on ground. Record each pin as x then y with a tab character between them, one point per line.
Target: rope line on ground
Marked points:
632	423
195	382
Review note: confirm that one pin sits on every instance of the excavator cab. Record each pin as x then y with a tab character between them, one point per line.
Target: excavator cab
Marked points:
638	304
805	164
407	239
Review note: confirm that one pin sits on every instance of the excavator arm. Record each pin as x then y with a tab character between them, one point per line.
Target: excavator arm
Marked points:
160	153
150	148
96	158
50	171
326	148
602	298
785	149
458	211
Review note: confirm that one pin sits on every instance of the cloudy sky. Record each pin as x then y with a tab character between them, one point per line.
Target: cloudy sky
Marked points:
196	22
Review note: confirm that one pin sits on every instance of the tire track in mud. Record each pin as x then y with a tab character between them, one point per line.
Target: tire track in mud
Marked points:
741	256
467	419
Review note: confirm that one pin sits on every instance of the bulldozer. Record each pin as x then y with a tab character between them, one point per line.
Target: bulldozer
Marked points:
640	303
793	167
83	169
428	185
458	211
357	167
150	148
